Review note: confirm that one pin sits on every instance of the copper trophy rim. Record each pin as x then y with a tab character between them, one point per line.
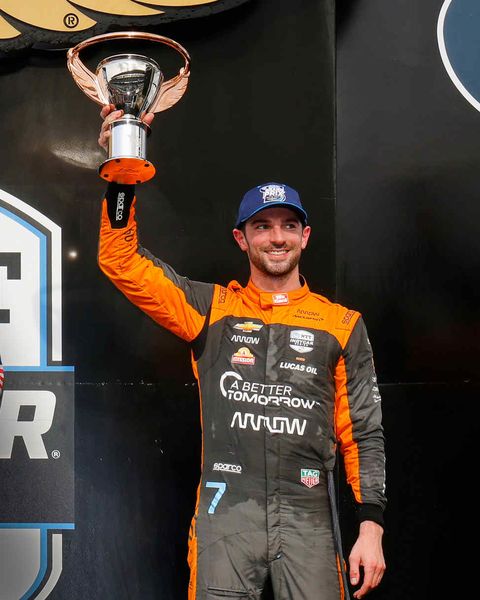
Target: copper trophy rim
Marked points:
170	91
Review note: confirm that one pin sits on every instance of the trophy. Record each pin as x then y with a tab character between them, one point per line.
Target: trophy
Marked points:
135	84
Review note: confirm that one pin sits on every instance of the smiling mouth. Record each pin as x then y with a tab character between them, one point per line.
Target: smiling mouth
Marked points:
277	253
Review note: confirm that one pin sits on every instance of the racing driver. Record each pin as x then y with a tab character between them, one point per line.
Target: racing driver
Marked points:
285	376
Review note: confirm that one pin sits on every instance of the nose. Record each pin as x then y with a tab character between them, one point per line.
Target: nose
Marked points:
277	235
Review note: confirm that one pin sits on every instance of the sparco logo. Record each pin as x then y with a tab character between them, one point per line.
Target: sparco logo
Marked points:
52	20
120	206
227	467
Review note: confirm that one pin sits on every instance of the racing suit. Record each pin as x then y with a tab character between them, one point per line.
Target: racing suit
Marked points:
283	378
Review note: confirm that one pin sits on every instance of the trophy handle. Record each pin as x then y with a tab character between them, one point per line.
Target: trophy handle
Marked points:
83	77
170	91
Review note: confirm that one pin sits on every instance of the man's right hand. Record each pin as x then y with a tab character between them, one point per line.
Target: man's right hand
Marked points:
109	114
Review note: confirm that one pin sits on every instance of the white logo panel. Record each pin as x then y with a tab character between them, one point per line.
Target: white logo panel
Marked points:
19	293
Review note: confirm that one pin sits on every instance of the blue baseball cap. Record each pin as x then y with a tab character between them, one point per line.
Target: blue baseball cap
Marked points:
266	196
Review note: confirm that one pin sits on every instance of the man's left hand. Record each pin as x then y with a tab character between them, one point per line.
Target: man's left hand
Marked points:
367	553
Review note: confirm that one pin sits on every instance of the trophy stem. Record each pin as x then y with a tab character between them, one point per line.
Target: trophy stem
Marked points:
127	152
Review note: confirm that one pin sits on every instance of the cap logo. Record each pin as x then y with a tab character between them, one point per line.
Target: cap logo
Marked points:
273	193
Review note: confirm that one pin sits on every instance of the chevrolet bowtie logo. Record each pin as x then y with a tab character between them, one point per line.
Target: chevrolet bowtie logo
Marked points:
248	326
62	16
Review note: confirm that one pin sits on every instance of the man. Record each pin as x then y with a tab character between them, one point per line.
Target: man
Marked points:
284	376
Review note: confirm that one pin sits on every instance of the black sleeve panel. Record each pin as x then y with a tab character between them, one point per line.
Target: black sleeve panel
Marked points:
197	293
366	416
119	201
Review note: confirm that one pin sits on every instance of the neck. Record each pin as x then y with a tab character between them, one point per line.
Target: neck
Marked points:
272	283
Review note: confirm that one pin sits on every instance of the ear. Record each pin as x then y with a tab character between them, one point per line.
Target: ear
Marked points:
240	239
305	235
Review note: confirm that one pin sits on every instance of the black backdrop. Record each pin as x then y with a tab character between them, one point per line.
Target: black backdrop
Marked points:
395	236
408	255
260	107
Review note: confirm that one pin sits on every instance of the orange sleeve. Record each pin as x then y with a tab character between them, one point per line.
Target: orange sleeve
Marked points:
175	302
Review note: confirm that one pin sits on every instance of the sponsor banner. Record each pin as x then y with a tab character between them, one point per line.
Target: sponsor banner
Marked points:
26	23
37	406
36	448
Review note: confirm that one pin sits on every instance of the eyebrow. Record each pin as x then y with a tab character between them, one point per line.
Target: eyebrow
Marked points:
258	220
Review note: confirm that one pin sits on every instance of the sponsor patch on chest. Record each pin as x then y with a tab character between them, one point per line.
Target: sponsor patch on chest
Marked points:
301	340
302	368
243	356
248	326
244	339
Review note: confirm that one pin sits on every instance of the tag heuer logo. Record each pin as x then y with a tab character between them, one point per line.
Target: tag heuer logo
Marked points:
310	477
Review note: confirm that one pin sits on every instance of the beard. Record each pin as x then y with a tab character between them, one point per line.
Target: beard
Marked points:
274	266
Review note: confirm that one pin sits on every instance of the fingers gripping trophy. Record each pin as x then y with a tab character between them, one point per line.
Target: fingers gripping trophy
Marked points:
135	85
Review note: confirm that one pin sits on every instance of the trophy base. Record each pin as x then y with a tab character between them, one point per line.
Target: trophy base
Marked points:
126	170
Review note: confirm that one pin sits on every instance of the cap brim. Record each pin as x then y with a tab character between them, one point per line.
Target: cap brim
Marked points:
301	213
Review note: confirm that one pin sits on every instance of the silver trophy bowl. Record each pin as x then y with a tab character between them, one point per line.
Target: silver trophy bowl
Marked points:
131	83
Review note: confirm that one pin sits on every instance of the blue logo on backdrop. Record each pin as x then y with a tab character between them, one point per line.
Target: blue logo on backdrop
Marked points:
459	42
36	408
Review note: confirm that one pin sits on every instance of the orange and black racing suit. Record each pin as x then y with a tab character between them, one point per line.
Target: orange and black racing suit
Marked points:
283	378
